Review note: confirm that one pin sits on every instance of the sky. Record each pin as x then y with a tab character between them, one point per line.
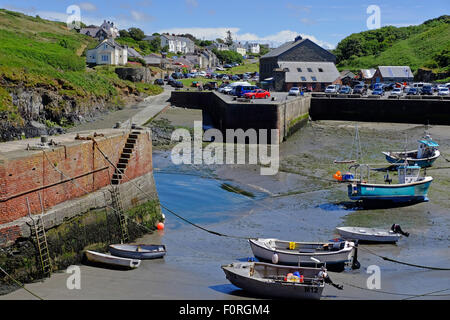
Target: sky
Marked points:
266	21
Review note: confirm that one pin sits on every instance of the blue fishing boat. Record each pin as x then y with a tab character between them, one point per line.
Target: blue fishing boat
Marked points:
424	156
410	188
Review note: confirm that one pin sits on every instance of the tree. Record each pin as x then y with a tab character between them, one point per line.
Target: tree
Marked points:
136	33
124	34
228	56
229	38
218	40
155	44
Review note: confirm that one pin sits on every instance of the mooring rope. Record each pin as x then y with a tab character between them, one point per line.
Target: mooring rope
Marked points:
20	284
401	262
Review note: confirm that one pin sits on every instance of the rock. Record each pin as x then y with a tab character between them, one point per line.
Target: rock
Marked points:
141	74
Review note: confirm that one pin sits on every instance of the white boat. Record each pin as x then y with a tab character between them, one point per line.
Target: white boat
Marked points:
335	254
368	234
269	280
110	260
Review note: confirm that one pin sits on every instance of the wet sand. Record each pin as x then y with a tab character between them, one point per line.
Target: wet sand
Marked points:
300	203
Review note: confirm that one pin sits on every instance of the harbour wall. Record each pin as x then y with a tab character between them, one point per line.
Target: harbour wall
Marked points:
76	200
287	116
419	111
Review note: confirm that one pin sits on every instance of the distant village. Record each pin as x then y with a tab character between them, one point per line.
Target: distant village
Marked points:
298	63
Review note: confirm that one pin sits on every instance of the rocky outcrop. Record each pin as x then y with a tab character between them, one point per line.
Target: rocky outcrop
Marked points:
427	75
135	74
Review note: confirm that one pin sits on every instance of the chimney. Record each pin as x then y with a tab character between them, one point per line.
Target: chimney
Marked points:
298	38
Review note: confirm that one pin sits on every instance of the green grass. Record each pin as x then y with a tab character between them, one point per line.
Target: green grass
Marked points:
246	67
416	51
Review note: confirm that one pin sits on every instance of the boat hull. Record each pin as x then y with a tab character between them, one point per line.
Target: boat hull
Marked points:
113	261
334	260
400	193
369	235
142	252
271	289
399	157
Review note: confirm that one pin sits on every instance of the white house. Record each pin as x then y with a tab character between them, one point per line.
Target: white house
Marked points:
239	48
253	47
108	52
218	46
175	43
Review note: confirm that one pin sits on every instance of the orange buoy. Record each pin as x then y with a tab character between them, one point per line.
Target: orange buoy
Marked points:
160	226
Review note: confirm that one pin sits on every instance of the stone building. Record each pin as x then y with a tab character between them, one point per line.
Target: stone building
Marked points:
108	52
299	63
393	74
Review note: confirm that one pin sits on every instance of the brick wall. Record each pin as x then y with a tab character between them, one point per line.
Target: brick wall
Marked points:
33	175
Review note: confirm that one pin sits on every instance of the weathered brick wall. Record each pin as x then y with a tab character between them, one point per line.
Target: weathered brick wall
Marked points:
28	176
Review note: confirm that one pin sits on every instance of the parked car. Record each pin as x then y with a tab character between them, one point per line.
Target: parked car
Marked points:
427	89
295	91
228	66
220	69
171	81
212	85
345	90
397	92
257	94
225	77
413	91
332	89
227	89
243	89
378	91
235	64
235	78
159	82
177	84
360	89
444	92
177	75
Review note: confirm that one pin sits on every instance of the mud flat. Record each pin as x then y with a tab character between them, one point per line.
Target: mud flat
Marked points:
301	203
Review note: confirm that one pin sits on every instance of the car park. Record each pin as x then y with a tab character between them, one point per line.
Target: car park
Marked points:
295	91
257	94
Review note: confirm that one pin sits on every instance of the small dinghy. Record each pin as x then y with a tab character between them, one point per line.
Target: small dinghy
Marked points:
274	281
113	261
138	251
310	254
424	156
372	235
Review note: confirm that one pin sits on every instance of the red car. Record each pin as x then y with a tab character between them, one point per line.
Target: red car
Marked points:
258	94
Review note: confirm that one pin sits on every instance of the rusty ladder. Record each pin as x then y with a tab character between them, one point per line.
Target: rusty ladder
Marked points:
41	240
118	207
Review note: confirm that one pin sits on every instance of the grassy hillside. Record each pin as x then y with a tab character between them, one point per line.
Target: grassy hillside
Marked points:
426	45
40	53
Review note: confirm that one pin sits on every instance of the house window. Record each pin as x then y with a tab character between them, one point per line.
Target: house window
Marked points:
309	70
286	69
106	47
303	78
314	78
299	69
104	58
320	70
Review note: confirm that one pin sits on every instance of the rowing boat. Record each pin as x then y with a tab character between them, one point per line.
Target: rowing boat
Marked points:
113	261
138	251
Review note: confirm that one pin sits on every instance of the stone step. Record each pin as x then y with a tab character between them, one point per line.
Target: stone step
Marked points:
116	176
114	181
124	160
130	140
136	132
125	155
122	166
130	145
127	150
133	136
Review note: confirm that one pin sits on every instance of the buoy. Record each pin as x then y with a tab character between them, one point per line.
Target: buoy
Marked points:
160	226
275	258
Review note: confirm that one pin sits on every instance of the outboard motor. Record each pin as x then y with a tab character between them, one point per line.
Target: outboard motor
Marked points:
323	274
396	229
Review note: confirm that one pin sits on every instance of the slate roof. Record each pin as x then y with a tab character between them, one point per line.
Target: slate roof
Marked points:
329	74
133	53
368	73
283	48
395	72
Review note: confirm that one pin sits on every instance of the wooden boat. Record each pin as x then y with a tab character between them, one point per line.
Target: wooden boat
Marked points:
138	251
334	254
112	261
368	234
424	156
410	188
269	280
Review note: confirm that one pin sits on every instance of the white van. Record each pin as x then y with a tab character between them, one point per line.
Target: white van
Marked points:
228	89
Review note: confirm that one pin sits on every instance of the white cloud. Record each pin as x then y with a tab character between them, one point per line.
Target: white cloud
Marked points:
140	16
87	6
273	39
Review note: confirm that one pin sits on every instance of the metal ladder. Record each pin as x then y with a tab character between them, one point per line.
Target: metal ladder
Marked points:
41	239
118	207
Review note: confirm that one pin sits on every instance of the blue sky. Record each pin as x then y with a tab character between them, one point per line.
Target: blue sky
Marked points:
265	21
